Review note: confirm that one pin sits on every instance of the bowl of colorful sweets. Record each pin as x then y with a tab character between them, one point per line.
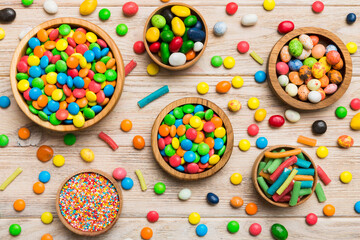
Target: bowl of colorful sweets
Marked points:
67	74
192	138
309	68
175	36
284	175
89	202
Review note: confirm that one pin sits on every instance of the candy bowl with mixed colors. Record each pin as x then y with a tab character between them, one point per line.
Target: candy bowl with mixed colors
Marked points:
175	36
309	68
67	74
285	176
192	138
89	202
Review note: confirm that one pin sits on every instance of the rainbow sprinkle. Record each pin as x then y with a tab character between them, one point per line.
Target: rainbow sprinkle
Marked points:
89	202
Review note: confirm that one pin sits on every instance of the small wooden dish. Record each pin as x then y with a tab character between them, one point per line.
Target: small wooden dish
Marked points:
325	37
254	176
154	57
65	222
20	51
229	142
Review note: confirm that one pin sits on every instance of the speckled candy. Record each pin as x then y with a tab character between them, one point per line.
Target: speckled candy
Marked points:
306	41
318	70
295	48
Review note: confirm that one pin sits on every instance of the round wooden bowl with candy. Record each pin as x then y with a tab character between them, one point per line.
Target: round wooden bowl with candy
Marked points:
255	175
325	37
74	22
155	57
78	231
216	167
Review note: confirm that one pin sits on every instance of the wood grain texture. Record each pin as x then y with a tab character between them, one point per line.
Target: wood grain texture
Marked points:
173	223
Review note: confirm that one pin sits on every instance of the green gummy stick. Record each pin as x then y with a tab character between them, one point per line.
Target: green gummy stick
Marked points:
305	191
295	193
261	167
267	165
301	155
320	193
263	186
275	164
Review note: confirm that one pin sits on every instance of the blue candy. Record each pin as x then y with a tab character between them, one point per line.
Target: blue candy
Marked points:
260	76
35	93
47	111
198	25
219	143
330	47
357	207
53	106
295	64
261	142
108	90
162	152
199	108
44	176
44	62
275	186
196	34
73	108
104	52
178	122
69	82
97	52
89	56
79	82
127	183
305	171
4	101
212	198
61	78
35	71
96	108
186	144
204	159
201	230
33	42
303	163
180	168
68	121
306	184
351	18
30	79
220	28
189	156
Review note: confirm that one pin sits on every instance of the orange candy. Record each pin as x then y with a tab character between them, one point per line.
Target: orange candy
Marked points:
172	131
19	205
79	37
50	45
24	133
199	138
39	51
138	142
126	125
83	72
110	63
186	118
146	233
100	67
63	105
36	105
236	202
217	122
82	102
181	130
223	87
164	130
70	99
87	82
42	35
49	88
44	153
190	55
72	62
181	152
46	236
42	101
38	187
210	141
329	210
251	208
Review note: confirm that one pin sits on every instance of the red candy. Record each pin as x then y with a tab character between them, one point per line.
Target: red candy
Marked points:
209	127
318	6
314	39
130	9
282	68
175	44
191	134
139	47
106	138
54	34
71	72
231	8
152	216
243	47
71	42
100	96
94	86
62	114
22	67
285	27
276	121
253	130
311	219
168	140
161	143
333	57
175	160
192	168
101	43
81	48
155	47
129	67
79	92
255	229
355	104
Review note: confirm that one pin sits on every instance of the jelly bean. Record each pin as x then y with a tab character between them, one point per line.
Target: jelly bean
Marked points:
87	155
168	15
279	232
158	21
50	6
231	8
175	44
223	87
196	34
130	9
260	115
220	28
177	59
7	15
187	46
190	21
165	53
212	198
352	47
249	20
178	27
87	7
276	121
351	18
184	194
285	27
181	11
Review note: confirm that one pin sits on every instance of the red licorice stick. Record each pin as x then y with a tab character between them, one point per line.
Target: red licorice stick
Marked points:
278	197
108	140
322	175
129	67
290	161
286	198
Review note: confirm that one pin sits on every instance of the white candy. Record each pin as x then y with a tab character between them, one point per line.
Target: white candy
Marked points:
313	85
292	116
306	41
220	28
177	59
198	46
283	80
291	89
249	20
50	6
305	54
185	194
314	96
24	32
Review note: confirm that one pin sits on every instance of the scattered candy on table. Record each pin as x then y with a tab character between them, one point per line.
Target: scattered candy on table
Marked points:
138	142
318	6
233	227
231	8
346	177
159	188
351	18
279	232
251	209
46	217
46	236
345	141
352	47
201	230
341	112
24	133
184	194
50	6
69	139
307	141
261	142
119	173
126	125
212	198
249	20
122	29
311	219
87	155
146	233
152	216
7	15
253	130
19	205
220	28
10	179
260	76
319	127
202	88
236	202
152	69
216	61
4	102
127	183
58	160
153	96
244	145
130	9
237	82
139	47
87	7
44	176
260	115
141	180
194	218
104	14
329	210
285	27
38	187
4	140
234	105
276	121
14	229
255	229
106	138
223	87
322	152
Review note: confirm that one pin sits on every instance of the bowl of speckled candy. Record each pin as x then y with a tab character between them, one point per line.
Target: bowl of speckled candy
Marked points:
89	202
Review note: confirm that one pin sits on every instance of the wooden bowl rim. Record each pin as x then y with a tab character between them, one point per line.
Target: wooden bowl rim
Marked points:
254	176
80	23
293	102
187	64
77	231
229	141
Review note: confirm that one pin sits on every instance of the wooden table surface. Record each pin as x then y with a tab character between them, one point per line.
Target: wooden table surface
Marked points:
173	223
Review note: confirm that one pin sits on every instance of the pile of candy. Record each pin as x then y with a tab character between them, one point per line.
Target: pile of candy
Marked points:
181	38
192	138
312	69
89	202
67	75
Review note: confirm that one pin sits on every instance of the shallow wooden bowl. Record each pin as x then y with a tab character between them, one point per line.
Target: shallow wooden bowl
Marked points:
326	37
154	57
229	142
77	231
254	175
20	51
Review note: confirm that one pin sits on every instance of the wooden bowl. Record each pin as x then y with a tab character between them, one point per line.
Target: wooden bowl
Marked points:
154	57
229	142
20	51
260	191
325	37
65	222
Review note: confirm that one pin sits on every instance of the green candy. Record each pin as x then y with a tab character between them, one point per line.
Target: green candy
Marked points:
42	115
166	28
197	158
209	114
110	75
183	137
190	21
185	37
310	61
200	114
53	120
187	126
63	98
158	21
203	149
28	102
169	150
165	52
233	227
167	36
93	67
279	232
159	188
169	120
21	76
216	61
211	134
194	147
55	52
121	29
178	112
99	77
224	139
295	48
104	14
64	29
61	66
188	108
341	112
221	151
105	59
69	139
25	3
38	82
15	229
64	56
4	140
89	113
50	68
33	110
92	45
187	46
29	51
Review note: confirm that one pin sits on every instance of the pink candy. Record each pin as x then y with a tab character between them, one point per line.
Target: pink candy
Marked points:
192	168
119	173
282	68
130	9
191	134
255	229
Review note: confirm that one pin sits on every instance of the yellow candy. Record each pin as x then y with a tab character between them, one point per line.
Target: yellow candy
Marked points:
178	26
79	120
91	37
33	61
23	85
175	143
260	115
253	103
182	161
195	121
322	152
51	77
91	96
244	145
234	105
194	218
237	82
229	62
71	34
202	88
355	122
152	34
346	177
352	47
269	5
103	84
70	116
325	64
152	69
200	128
47	217
87	155
219	132
61	45
57	94
214	159
236	178
181	11
59	160
2	33
77	55
83	62
91	104
88	6
88	66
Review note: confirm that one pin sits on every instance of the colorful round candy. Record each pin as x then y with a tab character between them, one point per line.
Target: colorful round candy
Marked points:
104	14
243	47
19	205
194	218
329	210
318	6
159	188
201	230
233	227
255	229
351	18
311	219
261	142
346	177
231	8
130	9
14	229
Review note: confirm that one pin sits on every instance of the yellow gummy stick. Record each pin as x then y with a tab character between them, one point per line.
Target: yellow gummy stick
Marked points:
141	180
256	57
287	182
10	179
